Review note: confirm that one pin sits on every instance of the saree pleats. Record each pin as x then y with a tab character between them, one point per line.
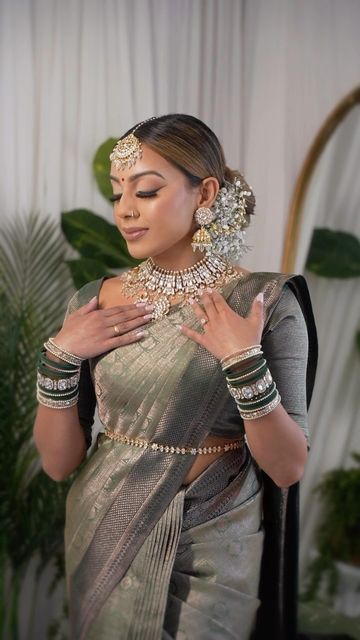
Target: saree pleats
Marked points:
135	610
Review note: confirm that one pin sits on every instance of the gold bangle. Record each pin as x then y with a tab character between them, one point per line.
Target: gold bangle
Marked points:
259	413
247	355
61	353
56	404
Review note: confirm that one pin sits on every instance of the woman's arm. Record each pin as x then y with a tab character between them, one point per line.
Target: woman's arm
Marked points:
63	435
277	441
60	440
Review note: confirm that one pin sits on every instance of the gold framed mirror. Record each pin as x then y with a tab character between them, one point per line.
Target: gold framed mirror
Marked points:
295	216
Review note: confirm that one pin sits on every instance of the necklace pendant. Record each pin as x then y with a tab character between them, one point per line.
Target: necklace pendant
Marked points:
161	308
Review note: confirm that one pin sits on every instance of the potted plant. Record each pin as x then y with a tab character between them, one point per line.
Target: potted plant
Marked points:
338	534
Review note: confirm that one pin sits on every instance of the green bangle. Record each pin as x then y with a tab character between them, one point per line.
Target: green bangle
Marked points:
257	404
60	366
242	382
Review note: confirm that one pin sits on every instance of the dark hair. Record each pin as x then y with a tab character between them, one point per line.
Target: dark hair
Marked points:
190	145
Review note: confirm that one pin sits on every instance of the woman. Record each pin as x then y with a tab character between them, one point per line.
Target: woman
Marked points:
164	533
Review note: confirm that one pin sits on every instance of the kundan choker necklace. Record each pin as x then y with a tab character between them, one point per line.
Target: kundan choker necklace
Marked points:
160	287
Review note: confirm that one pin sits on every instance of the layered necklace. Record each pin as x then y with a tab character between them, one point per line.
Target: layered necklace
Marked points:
162	288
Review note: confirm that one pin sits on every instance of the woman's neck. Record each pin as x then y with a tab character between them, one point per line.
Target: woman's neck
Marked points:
178	262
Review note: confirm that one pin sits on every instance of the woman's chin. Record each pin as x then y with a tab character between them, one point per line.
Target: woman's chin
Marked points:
137	253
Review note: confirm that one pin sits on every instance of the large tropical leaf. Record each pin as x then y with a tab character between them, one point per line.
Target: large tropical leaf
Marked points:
334	254
95	238
85	270
35	285
101	167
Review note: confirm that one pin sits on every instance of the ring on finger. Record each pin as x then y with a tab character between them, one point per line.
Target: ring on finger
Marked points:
204	320
116	329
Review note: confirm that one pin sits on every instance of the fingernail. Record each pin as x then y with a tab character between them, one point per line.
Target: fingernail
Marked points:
260	297
140	304
179	326
92	299
149	307
149	316
191	301
140	334
209	290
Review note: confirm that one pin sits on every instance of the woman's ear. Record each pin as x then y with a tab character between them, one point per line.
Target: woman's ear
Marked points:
208	191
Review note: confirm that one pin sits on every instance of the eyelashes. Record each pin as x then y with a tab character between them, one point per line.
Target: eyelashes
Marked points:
140	194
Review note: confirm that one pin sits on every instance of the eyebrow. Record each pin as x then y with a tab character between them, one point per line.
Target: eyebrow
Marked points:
136	176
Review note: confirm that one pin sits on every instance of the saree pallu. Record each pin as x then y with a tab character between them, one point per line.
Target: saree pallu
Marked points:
144	558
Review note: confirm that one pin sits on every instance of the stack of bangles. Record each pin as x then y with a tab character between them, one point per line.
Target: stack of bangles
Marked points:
250	382
57	382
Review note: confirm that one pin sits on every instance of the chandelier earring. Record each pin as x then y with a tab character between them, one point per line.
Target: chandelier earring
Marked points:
201	239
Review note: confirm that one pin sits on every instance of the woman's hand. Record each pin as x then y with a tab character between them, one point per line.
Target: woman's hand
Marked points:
225	332
89	331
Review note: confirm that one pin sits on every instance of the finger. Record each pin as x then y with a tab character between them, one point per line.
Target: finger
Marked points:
257	307
193	335
121	341
208	303
121	328
219	301
125	308
198	310
123	315
89	306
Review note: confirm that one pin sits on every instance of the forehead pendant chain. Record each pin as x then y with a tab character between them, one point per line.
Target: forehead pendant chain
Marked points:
129	149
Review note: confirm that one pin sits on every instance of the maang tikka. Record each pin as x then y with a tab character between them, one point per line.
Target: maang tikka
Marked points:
129	149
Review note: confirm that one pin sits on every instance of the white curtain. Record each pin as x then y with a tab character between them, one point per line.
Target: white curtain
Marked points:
74	72
263	74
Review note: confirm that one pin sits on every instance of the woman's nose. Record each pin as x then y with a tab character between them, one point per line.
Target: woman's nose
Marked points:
126	208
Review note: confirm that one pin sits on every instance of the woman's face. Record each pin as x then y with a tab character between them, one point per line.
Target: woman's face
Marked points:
163	204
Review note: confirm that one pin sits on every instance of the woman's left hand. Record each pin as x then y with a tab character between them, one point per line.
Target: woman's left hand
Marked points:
225	331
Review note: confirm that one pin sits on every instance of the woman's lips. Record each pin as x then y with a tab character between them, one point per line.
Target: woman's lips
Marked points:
133	233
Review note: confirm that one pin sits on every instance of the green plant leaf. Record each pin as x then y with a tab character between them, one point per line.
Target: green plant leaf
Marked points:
85	270
34	287
334	254
95	238
101	167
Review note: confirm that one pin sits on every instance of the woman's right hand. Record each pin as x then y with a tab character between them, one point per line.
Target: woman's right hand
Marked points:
89	331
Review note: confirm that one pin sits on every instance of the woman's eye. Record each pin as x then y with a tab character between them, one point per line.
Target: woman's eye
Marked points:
146	194
115	197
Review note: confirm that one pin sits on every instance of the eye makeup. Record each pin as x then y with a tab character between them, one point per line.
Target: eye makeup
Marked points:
139	194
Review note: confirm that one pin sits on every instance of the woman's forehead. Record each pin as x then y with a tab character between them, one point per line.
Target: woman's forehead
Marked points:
149	163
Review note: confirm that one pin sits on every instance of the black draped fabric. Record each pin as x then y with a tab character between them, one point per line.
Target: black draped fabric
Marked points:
277	615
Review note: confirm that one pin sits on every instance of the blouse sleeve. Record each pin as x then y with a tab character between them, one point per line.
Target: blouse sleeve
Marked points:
285	346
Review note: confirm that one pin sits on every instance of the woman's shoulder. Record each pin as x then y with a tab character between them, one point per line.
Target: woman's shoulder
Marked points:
279	289
85	293
266	281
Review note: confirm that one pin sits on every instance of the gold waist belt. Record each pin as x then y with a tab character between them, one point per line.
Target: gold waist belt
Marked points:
165	448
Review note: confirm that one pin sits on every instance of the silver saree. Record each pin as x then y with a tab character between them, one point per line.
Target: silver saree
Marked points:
146	557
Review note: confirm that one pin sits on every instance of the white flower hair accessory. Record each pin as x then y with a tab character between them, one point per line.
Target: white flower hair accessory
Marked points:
222	228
